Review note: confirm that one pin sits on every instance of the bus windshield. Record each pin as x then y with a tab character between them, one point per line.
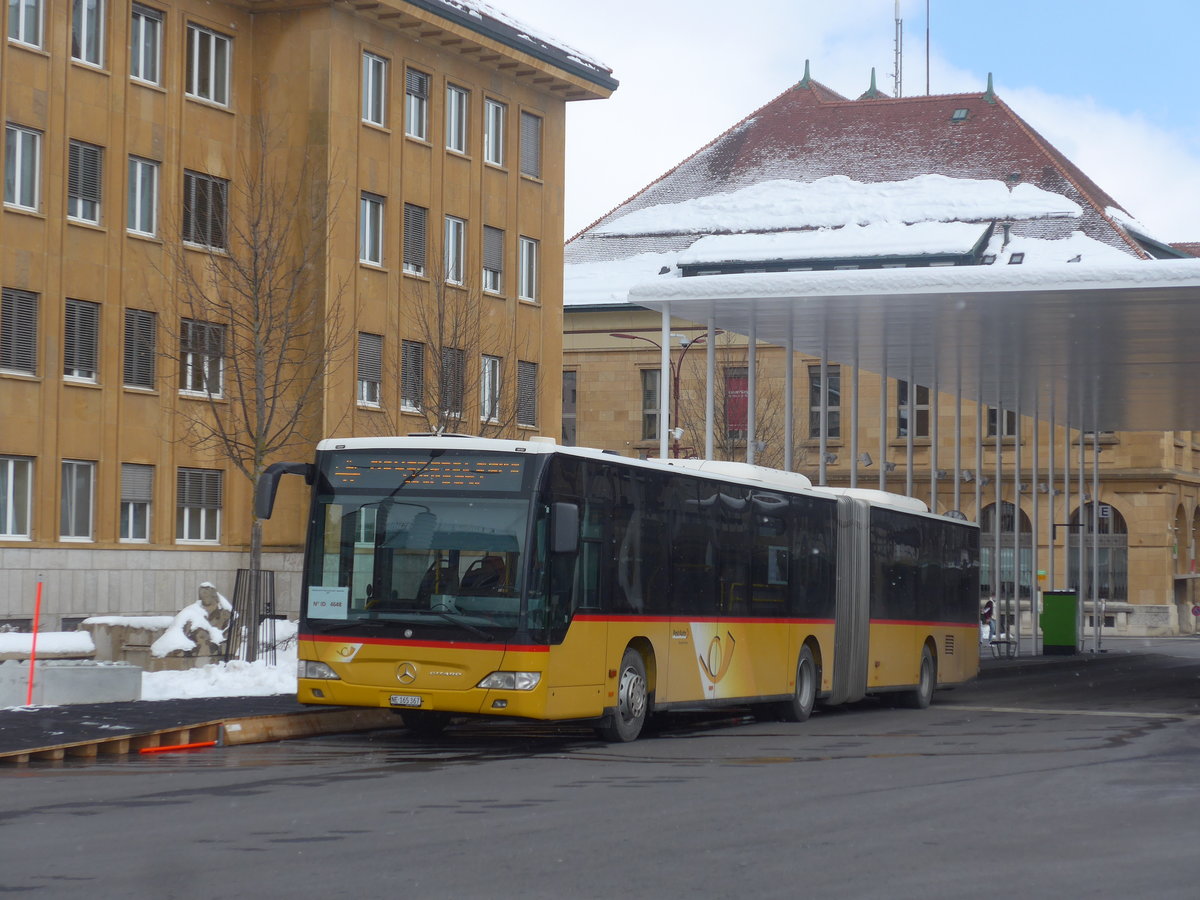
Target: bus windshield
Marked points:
419	537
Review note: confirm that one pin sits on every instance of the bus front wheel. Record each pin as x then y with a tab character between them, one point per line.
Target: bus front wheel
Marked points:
921	696
800	707
633	698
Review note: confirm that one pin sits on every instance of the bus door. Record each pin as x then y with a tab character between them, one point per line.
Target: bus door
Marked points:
852	615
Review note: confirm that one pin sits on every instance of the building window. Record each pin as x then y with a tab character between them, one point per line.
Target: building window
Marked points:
201	358
207	76
141	348
456	248
493	132
18	331
920	410
142	208
651	380
531	145
416	104
1010	422
489	389
527	277
737	393
137	491
570	407
833	421
457	101
85	173
25	22
16	492
374	89
453	376
145	44
22	166
370	230
412	376
493	259
527	400
80	337
205	208
77	482
414	238
370	368
87	32
198	505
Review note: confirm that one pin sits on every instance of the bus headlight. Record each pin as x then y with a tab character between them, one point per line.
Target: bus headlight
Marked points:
310	668
511	681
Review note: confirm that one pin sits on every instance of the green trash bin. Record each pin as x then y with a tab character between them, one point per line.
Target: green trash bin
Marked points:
1060	622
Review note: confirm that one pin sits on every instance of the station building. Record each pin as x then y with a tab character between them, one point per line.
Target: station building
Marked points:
410	154
814	182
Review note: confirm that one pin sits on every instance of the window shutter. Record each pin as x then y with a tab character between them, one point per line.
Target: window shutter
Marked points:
85	166
414	236
416	83
493	248
453	370
412	373
81	330
140	347
526	393
199	488
370	357
18	330
137	483
531	145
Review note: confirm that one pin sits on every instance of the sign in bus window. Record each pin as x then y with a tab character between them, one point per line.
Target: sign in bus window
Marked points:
459	472
328	602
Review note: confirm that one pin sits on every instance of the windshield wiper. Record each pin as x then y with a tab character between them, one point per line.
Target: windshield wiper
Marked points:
349	623
456	620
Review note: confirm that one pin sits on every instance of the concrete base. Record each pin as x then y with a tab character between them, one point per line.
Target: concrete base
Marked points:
62	682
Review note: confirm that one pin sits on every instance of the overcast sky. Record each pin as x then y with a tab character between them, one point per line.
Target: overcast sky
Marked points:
1114	91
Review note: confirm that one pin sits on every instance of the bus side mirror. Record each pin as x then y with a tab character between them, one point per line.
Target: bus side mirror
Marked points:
268	484
564	525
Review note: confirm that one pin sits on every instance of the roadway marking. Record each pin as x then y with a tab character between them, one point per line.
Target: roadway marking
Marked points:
1073	712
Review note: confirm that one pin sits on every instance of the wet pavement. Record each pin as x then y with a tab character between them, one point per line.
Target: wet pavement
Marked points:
33	728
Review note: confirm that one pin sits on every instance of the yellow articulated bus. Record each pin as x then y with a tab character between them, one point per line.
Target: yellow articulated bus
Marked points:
450	576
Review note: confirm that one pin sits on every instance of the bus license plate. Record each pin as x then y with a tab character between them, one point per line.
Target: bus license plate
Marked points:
404	700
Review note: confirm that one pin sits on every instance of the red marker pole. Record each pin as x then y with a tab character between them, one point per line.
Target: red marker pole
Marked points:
37	615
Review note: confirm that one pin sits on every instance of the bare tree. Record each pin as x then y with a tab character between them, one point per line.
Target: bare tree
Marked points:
260	328
468	381
731	404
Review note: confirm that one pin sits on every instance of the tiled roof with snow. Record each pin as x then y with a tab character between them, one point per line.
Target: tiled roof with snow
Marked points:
811	159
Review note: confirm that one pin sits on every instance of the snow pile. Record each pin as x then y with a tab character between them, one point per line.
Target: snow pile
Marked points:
75	643
231	679
837	200
193	619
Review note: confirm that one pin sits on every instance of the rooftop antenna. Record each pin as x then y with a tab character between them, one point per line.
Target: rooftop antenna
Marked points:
926	48
898	75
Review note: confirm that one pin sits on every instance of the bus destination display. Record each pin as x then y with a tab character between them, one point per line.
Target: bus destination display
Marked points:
465	472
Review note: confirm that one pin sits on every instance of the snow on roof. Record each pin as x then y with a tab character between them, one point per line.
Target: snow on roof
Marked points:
477	9
924	280
601	283
852	241
837	200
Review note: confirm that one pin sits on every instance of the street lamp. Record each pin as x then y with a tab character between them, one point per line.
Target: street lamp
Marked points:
676	371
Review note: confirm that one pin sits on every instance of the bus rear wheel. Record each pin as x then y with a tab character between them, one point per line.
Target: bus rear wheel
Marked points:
800	707
425	723
921	696
633	699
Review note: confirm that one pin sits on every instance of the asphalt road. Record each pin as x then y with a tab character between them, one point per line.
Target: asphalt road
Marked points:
1072	780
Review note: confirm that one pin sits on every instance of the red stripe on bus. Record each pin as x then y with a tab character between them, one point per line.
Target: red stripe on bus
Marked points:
682	617
405	642
925	623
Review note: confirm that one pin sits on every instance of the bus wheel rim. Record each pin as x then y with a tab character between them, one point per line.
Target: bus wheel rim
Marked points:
632	694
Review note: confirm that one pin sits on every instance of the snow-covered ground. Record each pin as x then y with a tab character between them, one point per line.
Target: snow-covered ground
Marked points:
232	679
